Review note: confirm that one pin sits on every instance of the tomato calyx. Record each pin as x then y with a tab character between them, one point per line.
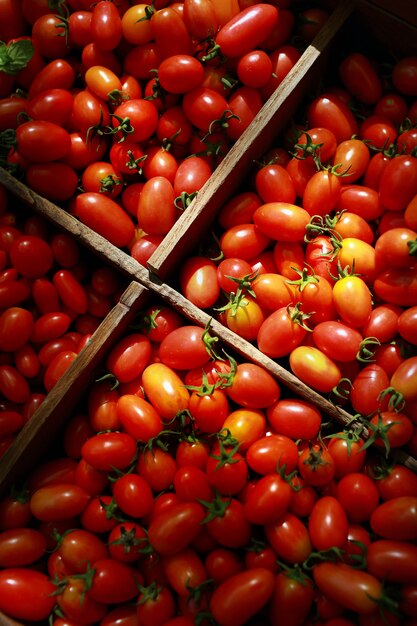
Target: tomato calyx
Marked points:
307	277
396	399
308	149
96	130
114	381
213	51
236	301
221	123
342	390
184	200
196	593
87	578
379	431
116	97
412	247
149	11
112	510
124	127
295	573
298	317
228	447
244	284
332	554
349	435
21	495
315	457
108	183
15	55
367	349
217	507
210	341
7	143
129	541
151	592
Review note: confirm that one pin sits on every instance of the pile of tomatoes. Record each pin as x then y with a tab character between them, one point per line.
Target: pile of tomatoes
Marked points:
190	488
315	261
127	110
52	298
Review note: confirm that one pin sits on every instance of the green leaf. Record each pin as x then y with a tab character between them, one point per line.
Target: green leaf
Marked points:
15	56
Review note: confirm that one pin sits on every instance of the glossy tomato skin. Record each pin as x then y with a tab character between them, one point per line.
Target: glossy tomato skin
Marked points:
328	524
42	140
289	538
36	589
351	588
173	531
105	216
58	502
241	596
394	561
396	519
247	30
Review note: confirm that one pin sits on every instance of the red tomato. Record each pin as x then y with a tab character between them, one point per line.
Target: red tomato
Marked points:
352	300
393	561
79	548
316	465
294	418
133	495
58	502
268	500
398	184
172	531
157	191
282	221
138	417
353	589
396	519
280	333
165	390
36	589
242	596
358	496
42	141
21	546
331	112
253	387
107	451
404	379
289	538
246	30
291	600
322	192
106	25
105	216
360	78
262	455
328	524
198	281
31	256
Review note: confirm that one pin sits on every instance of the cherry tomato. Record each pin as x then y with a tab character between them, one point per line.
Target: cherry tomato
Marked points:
35	587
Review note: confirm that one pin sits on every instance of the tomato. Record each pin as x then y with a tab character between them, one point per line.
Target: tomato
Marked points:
361	200
16	326
49	36
78	606
396	519
268	500
289	538
263	454
353	589
13	385
253	387
358	496
398	481
254	69
239	209
393	561
328	524
174	530
129	357
104	216
382	323
107	451
106	25
321	192
348	290
314	368
21	546
281	221
155	605
360	78
272	290
337	340
157	189
198	281
397	286
280	333
133	495
316	466
36	589
78	548
294	418
191	175
242	596
378	131
203	105
403	76
58	502
138	417
170	33
244	104
291	600
331	112
157	467
54	105
398	184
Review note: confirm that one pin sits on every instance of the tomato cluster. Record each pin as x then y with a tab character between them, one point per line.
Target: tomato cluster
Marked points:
190	488
316	261
128	109
52	298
